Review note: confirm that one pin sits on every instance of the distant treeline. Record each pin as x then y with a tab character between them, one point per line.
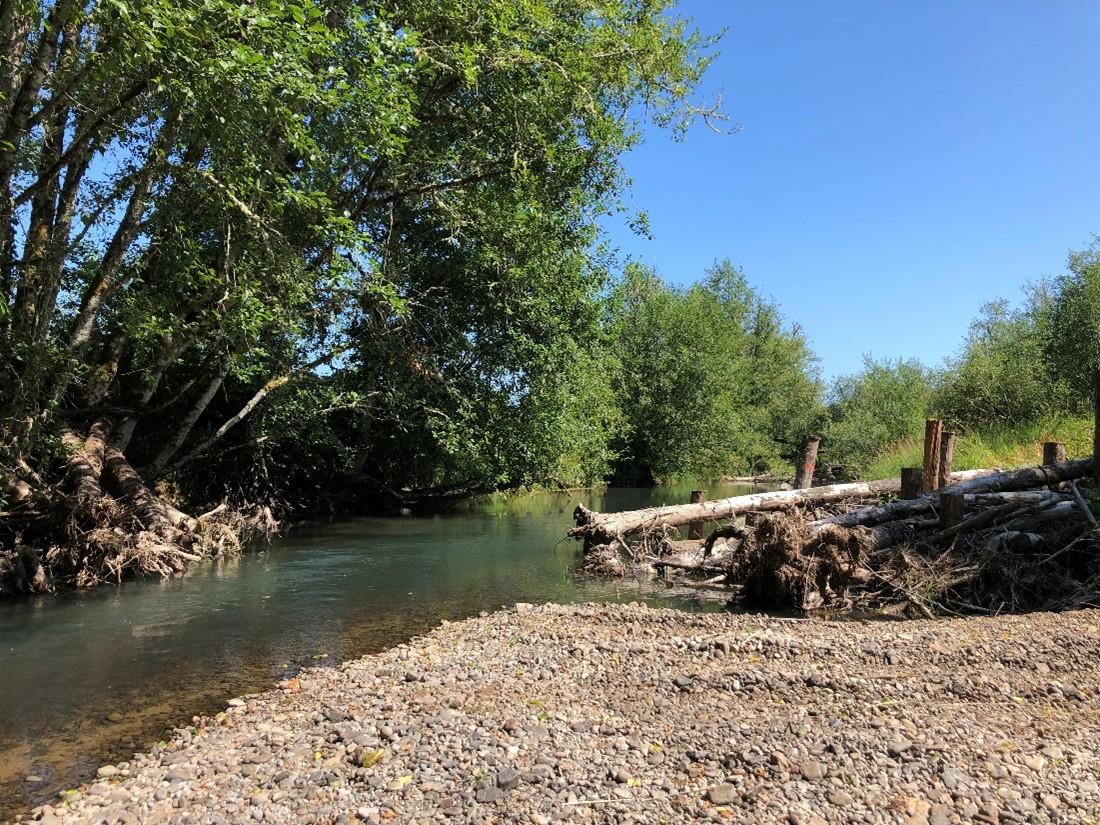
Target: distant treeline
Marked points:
1019	367
663	382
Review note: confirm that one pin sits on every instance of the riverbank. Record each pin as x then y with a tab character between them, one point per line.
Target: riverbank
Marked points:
999	446
622	713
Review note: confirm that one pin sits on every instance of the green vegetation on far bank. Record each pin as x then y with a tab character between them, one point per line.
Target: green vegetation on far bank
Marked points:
1004	447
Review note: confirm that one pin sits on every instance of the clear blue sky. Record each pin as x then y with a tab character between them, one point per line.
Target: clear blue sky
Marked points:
900	163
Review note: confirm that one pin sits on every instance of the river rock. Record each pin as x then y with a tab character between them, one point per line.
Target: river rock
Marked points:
537	710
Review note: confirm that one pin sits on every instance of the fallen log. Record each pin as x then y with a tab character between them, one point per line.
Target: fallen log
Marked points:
765	478
1027	478
697	565
601	527
904	509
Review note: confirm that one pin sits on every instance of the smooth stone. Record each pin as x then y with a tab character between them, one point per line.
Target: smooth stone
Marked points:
812	771
896	749
488	795
508	779
722	794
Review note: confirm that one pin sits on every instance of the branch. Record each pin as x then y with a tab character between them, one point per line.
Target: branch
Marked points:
250	405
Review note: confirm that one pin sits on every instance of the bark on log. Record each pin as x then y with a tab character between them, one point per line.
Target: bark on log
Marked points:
149	509
1027	478
899	510
594	525
85	464
1059	511
1084	505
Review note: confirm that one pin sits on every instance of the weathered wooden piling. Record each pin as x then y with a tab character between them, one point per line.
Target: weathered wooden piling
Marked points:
807	461
696	529
951	509
911	480
1054	452
947	457
933	432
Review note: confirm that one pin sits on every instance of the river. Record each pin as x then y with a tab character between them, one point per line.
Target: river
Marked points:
91	677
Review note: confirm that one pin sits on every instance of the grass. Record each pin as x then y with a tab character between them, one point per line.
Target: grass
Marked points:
1000	447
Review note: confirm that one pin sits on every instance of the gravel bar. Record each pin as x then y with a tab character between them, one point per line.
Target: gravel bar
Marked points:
604	713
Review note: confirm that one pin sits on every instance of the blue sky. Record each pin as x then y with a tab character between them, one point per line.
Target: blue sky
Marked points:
900	163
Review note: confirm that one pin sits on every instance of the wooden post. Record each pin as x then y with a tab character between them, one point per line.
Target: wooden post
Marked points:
947	455
951	509
911	478
933	430
695	529
1054	452
807	460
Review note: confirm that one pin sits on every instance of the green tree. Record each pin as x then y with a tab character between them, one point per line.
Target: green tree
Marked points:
1002	375
871	411
380	215
1071	329
709	379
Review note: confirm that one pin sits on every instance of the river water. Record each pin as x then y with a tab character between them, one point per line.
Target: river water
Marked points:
91	677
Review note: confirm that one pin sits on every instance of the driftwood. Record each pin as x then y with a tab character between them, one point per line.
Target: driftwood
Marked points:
994	541
591	525
104	523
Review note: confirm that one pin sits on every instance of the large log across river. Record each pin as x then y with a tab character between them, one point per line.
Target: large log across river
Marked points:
592	524
595	526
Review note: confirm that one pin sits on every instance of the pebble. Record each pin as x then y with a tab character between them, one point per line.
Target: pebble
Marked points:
896	749
596	714
508	779
722	794
812	771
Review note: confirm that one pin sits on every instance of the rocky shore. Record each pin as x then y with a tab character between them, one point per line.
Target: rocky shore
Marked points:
628	714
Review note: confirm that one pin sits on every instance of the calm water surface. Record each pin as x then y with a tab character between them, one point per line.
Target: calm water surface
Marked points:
91	677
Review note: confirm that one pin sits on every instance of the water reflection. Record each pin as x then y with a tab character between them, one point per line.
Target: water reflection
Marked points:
90	677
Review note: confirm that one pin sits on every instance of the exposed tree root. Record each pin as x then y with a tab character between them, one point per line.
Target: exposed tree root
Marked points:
104	524
1015	542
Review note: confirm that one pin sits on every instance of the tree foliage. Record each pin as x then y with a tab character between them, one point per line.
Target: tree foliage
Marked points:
709	378
366	226
886	402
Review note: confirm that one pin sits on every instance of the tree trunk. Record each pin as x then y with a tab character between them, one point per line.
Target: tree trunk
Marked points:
1027	478
85	465
903	509
105	283
593	525
184	429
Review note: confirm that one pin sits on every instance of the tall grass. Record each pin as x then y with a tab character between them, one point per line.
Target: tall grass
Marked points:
1004	447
